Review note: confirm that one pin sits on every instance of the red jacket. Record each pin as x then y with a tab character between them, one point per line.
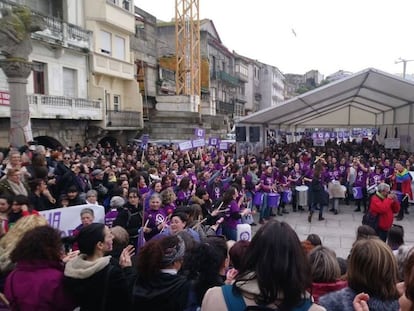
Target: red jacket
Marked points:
320	289
385	209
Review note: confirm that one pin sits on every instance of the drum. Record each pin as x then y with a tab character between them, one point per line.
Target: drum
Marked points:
287	196
372	189
273	199
357	193
302	195
244	232
258	199
335	190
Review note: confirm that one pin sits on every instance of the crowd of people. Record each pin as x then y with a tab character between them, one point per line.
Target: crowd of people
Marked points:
170	217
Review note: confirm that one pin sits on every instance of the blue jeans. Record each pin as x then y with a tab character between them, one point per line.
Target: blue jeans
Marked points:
229	233
264	209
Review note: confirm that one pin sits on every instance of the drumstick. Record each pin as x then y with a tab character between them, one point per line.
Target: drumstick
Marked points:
199	223
221	204
321	157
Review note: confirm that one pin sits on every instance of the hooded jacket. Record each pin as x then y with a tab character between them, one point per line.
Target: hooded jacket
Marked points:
165	292
85	280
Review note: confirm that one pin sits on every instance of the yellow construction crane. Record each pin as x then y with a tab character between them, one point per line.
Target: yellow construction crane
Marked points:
187	42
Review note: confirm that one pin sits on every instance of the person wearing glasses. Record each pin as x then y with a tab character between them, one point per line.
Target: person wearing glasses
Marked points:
63	165
130	216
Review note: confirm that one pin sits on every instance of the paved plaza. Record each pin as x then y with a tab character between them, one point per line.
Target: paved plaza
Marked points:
338	231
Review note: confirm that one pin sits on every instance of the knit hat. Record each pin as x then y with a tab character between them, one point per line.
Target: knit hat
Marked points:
116	202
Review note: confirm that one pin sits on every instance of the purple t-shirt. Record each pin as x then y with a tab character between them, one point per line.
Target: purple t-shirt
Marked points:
342	168
388	171
361	178
375	179
230	221
267	181
110	217
154	217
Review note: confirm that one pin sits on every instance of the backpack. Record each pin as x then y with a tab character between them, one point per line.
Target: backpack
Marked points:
370	219
235	302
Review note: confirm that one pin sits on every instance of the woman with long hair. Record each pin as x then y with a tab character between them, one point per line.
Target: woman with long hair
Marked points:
38	271
92	278
233	213
12	238
275	273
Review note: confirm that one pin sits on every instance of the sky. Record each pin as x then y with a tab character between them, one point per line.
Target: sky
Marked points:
300	35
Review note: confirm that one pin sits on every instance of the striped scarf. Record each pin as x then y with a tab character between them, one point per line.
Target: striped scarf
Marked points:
403	176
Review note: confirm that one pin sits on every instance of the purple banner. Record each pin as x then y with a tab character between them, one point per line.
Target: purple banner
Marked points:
213	141
199	132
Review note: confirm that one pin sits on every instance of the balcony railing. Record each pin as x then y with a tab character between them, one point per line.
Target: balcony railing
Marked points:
241	98
61	107
57	31
123	119
227	78
224	107
242	77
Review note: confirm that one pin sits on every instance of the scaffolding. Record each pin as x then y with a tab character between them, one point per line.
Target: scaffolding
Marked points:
187	42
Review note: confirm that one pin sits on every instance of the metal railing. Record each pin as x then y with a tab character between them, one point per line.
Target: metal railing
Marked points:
56	28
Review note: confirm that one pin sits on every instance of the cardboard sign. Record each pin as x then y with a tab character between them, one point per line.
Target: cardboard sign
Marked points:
199	132
199	143
186	145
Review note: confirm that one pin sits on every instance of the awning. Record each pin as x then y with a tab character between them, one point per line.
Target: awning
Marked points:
370	98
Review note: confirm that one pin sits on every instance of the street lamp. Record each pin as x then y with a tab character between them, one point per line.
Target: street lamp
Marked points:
404	61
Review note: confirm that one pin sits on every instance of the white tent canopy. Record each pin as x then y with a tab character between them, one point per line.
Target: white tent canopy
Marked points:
369	98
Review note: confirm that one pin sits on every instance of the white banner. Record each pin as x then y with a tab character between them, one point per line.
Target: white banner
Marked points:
199	143
392	143
186	145
67	219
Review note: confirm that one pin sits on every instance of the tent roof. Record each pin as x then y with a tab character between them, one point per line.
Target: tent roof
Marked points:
367	98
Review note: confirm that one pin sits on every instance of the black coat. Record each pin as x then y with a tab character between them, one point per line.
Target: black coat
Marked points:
165	292
318	194
130	218
89	292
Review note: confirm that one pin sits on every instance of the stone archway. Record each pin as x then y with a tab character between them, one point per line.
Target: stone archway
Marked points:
48	142
108	139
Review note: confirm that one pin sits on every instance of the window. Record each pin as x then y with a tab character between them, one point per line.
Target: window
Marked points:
224	96
39	77
69	82
119	45
126	4
117	102
105	42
